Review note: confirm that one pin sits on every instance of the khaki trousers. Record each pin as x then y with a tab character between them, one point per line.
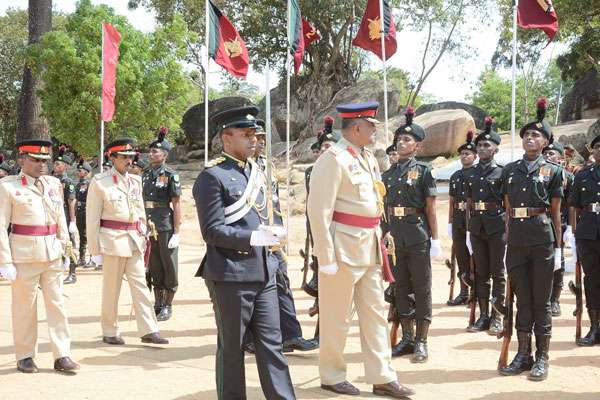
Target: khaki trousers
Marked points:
48	275
112	275
364	287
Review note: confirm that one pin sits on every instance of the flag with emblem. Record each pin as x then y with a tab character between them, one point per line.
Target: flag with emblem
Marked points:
226	46
310	33
538	14
373	25
295	34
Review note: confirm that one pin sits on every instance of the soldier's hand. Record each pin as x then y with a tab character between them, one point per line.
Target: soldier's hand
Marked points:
468	243
72	227
450	231
436	248
8	271
174	241
263	238
329	269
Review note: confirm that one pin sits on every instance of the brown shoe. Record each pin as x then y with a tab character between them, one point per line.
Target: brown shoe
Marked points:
393	389
65	364
114	340
342	388
154	338
27	366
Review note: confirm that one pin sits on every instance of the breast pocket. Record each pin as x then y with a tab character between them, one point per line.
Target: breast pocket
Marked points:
23	205
234	193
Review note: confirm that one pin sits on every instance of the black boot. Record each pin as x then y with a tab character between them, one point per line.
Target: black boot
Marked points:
407	344
420	355
71	278
523	361
158	300
539	371
463	296
554	301
483	323
495	324
167	309
593	336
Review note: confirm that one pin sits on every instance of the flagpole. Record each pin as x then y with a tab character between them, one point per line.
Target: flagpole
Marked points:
287	120
101	158
513	110
385	92
558	101
206	65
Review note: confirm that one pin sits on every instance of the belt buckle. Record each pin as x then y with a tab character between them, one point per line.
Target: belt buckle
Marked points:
520	212
596	207
462	206
399	212
479	206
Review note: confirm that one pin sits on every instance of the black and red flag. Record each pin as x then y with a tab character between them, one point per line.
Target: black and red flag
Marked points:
226	46
310	33
369	33
538	14
295	34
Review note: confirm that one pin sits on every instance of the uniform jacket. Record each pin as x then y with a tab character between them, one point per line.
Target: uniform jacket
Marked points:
458	190
81	190
586	190
161	185
22	203
116	197
68	190
485	185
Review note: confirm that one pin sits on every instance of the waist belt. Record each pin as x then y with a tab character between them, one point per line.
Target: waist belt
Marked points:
405	211
594	207
119	225
526	212
462	206
155	204
34	230
482	206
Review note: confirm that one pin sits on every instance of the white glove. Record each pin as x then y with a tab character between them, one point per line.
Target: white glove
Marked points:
557	259
568	234
8	271
263	238
98	260
468	242
174	241
450	230
329	269
66	263
436	248
573	243
72	227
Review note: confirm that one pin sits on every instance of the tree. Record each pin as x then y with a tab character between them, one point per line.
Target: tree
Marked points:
399	78
152	88
30	122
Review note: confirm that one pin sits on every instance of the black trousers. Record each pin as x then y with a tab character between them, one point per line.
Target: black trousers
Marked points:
459	242
488	254
242	306
413	272
531	272
163	264
589	257
80	221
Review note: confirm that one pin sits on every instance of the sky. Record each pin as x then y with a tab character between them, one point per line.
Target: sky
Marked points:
448	82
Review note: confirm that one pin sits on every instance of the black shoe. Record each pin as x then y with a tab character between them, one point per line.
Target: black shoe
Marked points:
523	360
70	279
342	388
154	338
114	340
27	366
421	355
483	323
555	308
299	344
463	296
593	336
407	343
167	310
158	300
539	371
555	299
65	364
495	325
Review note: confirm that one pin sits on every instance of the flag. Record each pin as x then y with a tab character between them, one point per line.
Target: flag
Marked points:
111	38
226	46
296	34
368	36
538	14
310	33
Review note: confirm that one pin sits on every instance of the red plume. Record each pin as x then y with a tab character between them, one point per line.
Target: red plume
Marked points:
410	113
488	124
469	136
541	109
327	124
162	132
1	158
62	150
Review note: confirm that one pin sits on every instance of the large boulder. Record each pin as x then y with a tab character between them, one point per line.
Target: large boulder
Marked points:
583	100
476	113
577	133
445	131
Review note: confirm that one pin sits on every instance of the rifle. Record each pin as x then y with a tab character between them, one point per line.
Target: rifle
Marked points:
577	291
506	334
451	264
154	233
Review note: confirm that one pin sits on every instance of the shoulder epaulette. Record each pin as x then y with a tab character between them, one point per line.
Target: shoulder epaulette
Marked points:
215	161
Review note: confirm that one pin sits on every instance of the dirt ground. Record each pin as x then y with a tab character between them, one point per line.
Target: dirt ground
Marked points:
461	366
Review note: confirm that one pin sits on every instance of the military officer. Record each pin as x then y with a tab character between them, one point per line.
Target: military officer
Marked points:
532	189
116	228
162	191
457	207
585	220
555	152
345	205
106	163
412	222
31	255
5	168
81	189
487	229
239	268
138	165
392	154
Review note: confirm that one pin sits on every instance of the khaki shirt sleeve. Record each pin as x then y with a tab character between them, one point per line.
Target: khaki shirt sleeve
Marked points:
324	185
5	215
93	213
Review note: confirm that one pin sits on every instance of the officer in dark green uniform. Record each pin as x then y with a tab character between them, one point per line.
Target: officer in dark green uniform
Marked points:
555	152
457	228
532	189
81	188
61	162
161	189
585	200
106	164
138	165
392	154
411	220
486	229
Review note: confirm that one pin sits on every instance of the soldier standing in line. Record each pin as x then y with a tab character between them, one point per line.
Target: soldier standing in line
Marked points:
392	154
532	189
31	255
138	165
585	220
457	207
81	189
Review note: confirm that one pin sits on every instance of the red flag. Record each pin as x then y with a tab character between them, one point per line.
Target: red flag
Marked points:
110	56
309	32
368	36
226	46
538	14
296	35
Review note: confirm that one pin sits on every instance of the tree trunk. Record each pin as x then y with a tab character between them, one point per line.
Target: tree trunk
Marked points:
30	123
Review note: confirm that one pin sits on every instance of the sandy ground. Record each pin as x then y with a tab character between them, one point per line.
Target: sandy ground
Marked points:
462	365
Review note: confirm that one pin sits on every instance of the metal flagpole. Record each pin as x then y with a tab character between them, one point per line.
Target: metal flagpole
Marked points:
206	65
513	111
268	147
385	93
287	122
558	101
101	158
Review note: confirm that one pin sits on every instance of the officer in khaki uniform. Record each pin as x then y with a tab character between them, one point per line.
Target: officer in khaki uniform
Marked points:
345	205
31	255
116	226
